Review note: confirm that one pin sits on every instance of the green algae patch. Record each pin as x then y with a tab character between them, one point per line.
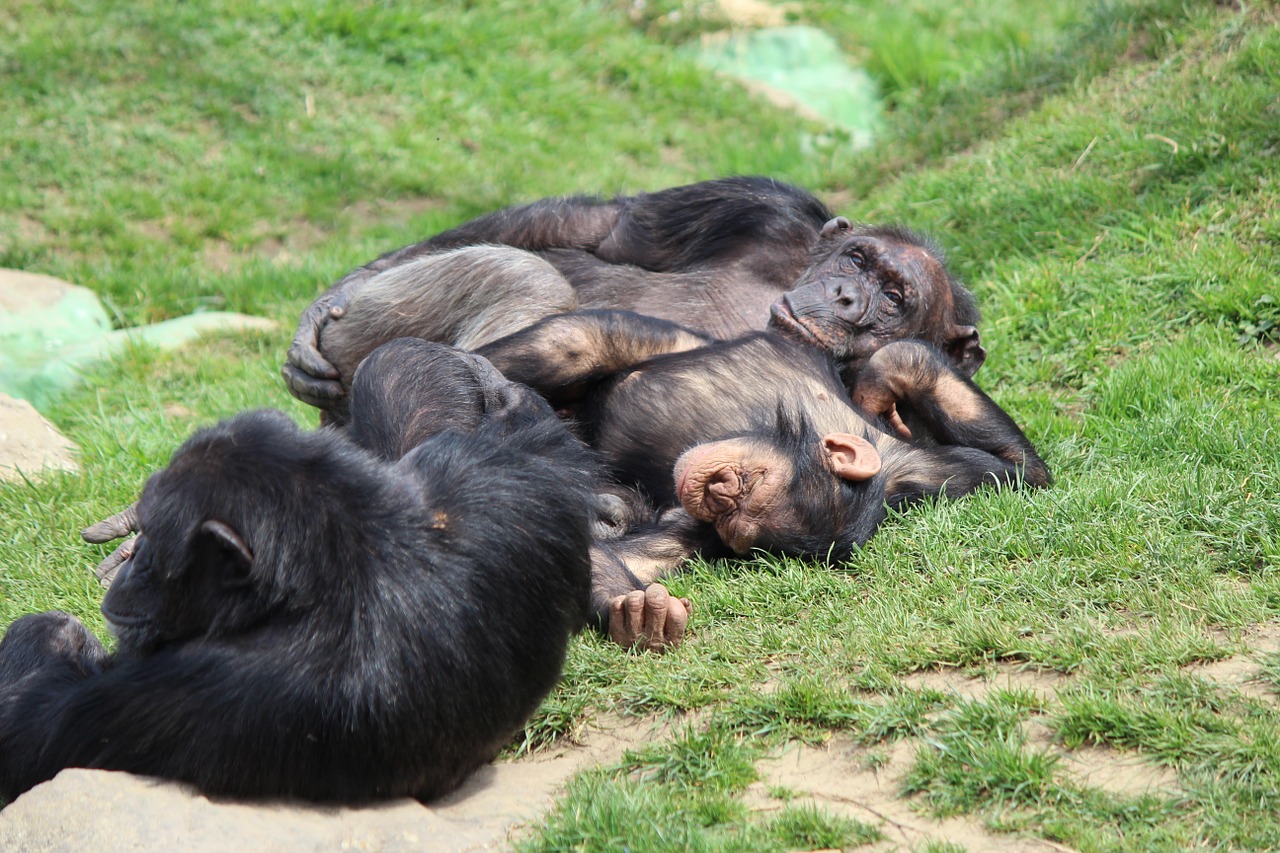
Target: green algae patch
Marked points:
801	67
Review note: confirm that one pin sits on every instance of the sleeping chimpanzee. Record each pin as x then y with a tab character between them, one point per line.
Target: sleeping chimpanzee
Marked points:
303	618
753	443
723	257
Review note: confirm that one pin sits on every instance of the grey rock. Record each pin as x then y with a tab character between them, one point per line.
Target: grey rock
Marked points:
29	444
109	812
50	330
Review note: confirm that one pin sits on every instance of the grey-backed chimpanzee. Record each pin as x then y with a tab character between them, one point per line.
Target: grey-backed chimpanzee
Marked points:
303	618
754	443
723	257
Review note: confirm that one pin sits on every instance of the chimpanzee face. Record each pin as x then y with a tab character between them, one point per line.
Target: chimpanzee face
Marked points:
871	285
768	490
188	575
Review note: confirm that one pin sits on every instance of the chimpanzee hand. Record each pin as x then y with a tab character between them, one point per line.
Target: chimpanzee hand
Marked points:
895	372
650	619
121	524
308	374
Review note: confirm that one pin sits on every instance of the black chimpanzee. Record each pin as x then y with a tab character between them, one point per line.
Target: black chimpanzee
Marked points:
723	257
755	444
302	617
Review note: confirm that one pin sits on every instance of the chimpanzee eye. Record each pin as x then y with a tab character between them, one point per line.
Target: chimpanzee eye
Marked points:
893	296
855	259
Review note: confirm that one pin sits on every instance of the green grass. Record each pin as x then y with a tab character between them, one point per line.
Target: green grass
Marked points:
1106	177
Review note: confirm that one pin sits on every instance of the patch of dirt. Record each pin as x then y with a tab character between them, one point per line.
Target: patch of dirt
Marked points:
283	244
863	784
506	795
966	685
1241	671
219	256
28	232
393	210
1116	772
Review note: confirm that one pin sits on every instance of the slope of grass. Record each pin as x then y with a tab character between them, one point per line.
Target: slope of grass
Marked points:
1105	177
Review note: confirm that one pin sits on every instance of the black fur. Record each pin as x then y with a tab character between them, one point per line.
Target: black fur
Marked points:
372	626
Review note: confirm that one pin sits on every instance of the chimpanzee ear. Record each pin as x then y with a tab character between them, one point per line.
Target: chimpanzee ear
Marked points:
834	225
852	456
235	558
965	350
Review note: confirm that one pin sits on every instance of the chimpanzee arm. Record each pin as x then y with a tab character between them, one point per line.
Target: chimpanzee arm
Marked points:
561	356
978	441
627	601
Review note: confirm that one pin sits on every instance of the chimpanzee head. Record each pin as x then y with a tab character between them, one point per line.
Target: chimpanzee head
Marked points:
786	489
868	285
220	528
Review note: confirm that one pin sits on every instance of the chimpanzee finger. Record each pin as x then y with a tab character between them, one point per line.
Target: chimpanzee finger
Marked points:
122	523
677	620
626	614
895	422
304	355
108	568
657	606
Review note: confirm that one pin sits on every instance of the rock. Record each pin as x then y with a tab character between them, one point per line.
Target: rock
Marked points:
29	444
50	329
106	811
799	68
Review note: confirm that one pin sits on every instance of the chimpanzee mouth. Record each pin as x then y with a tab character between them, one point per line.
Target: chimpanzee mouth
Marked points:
123	620
782	318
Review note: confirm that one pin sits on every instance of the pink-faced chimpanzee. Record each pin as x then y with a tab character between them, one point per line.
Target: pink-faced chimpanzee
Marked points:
326	617
753	443
723	257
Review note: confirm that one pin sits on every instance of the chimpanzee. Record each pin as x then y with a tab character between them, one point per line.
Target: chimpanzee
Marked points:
753	443
302	617
723	257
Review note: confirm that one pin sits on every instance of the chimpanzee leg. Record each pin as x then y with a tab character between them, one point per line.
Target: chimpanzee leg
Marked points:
465	297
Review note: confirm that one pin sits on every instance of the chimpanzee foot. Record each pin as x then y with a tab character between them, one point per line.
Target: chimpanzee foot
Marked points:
650	619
